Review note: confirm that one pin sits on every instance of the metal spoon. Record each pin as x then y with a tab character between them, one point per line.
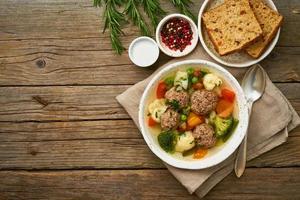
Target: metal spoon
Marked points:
253	84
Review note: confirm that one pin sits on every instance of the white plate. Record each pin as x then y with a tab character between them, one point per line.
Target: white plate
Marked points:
238	59
188	48
226	149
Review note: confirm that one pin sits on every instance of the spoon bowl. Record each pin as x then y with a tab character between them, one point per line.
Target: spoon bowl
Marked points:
254	83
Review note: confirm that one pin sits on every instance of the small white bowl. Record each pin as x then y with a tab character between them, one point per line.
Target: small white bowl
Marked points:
238	59
226	149
188	48
143	51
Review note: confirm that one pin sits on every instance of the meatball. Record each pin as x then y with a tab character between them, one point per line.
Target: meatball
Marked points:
181	96
204	135
203	102
169	119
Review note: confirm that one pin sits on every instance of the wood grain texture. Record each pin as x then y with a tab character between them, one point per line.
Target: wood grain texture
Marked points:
78	61
79	19
65	103
74	130
67	48
274	183
91	152
60	120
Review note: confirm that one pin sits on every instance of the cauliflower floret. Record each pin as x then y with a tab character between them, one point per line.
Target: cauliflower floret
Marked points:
210	81
181	79
157	108
185	142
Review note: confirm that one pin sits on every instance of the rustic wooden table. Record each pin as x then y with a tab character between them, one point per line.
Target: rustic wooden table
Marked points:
64	136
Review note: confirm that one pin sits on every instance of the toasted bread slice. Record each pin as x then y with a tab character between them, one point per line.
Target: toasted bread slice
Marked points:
269	21
231	26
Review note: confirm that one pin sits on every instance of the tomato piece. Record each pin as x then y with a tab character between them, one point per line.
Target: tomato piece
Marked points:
200	153
228	94
161	90
224	108
194	120
197	86
197	73
151	122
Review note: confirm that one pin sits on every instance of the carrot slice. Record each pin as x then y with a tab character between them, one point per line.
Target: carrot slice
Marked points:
224	108
194	120
151	122
200	153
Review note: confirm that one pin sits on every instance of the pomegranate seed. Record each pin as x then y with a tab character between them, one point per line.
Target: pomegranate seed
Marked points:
176	34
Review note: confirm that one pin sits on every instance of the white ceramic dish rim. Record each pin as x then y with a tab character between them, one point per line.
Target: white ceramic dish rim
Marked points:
229	64
229	147
135	41
189	48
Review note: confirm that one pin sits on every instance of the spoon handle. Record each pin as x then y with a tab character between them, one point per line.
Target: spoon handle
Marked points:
240	161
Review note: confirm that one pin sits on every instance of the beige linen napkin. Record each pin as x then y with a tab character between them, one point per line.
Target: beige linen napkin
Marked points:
271	120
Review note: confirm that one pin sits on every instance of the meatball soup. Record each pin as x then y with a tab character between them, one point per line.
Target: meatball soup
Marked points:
192	112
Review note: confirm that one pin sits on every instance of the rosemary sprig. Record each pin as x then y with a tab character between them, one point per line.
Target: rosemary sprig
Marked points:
153	11
113	19
131	9
97	3
183	6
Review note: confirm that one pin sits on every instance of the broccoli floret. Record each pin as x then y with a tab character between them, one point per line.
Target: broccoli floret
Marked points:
167	141
222	126
169	81
232	129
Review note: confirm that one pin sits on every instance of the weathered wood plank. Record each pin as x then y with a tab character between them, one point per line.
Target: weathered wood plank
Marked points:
94	154
63	103
273	184
78	19
73	19
282	65
259	183
72	51
73	130
83	61
285	155
61	62
103	153
60	103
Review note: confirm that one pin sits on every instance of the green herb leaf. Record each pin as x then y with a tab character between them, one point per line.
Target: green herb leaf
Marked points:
131	9
113	19
97	3
204	72
183	6
174	104
153	10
